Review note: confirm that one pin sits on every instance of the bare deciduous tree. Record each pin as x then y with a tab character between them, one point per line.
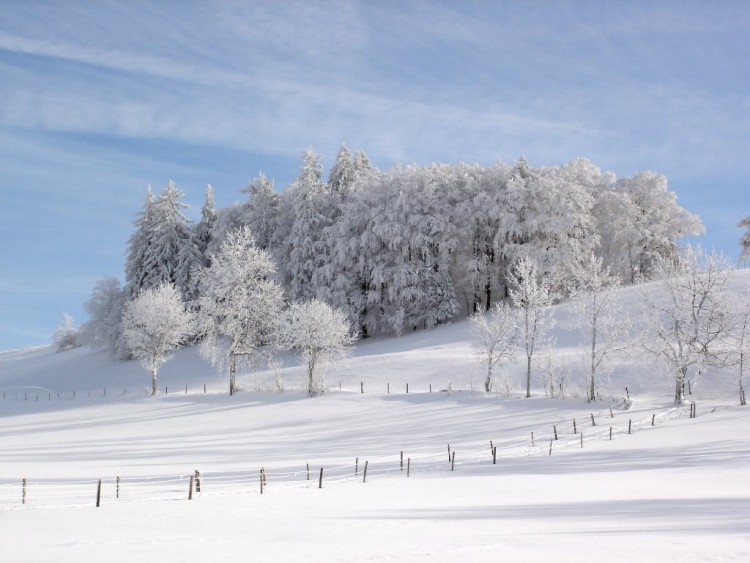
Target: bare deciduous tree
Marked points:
495	335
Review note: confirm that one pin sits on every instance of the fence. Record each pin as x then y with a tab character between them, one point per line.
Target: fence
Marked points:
599	425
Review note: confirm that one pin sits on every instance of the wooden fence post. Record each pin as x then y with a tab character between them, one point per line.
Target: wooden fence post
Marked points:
581	439
364	476
98	493
361	386
610	413
627	393
197	481
453	460
308	471
574	426
449	453
653	419
23	492
494	455
593	422
320	480
555	429
408	466
190	488
630	424
532	439
550	447
407	388
356	466
610	432
402	461
117	494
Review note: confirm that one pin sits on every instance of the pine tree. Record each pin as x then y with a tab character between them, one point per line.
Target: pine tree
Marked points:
342	174
303	250
139	247
261	211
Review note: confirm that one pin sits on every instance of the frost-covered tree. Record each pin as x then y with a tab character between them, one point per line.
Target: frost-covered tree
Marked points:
228	219
319	333
104	307
67	335
605	327
308	213
644	224
139	247
745	241
413	244
741	337
342	174
532	299
551	220
261	211
495	336
239	305
204	228
688	317
163	248
154	325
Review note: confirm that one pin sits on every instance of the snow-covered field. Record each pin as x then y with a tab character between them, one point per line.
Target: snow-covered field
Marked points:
675	489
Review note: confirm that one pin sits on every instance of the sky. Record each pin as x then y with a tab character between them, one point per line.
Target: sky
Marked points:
99	100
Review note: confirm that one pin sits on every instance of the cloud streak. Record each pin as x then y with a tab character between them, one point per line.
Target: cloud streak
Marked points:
97	100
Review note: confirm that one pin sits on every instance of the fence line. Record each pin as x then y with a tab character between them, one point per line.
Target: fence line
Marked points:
46	493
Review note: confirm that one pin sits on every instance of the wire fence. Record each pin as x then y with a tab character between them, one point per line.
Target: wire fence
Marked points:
604	424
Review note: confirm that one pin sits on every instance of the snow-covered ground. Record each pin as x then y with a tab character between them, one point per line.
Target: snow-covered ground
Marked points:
674	489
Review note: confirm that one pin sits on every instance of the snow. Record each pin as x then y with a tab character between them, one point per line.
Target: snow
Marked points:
675	491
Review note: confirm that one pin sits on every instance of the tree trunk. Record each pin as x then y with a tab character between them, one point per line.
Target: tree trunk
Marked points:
679	392
528	376
232	371
153	382
488	381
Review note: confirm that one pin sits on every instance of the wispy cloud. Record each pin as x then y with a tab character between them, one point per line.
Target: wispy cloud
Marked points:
99	99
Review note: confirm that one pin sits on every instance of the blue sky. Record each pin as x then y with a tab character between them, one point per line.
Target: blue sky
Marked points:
100	99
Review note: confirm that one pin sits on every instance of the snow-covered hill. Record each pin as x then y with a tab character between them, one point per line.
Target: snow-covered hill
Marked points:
674	488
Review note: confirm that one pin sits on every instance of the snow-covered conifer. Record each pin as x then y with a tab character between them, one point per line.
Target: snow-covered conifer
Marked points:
308	210
261	211
139	247
342	174
155	324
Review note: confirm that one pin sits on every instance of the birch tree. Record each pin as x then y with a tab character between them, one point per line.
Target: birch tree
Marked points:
155	324
239	304
532	299
742	339
605	328
688	317
495	335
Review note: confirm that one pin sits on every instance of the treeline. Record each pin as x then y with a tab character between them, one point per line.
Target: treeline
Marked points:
409	247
